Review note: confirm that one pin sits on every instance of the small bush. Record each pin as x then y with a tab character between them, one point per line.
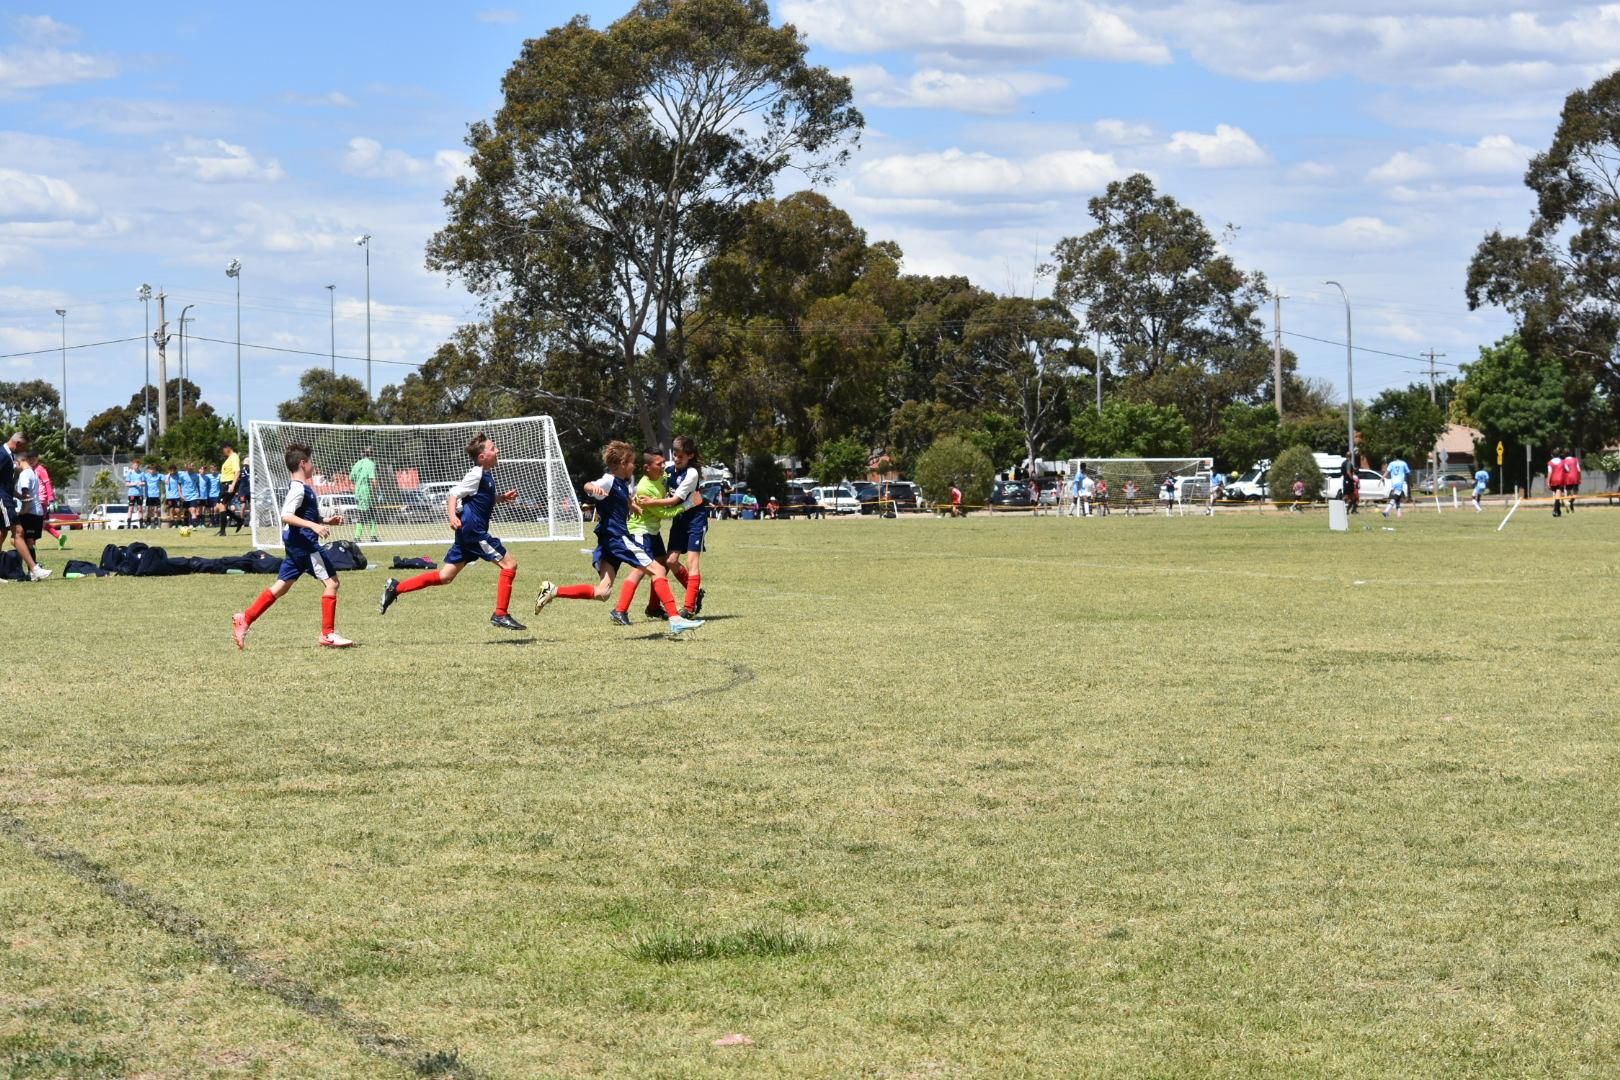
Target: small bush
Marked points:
953	460
1294	463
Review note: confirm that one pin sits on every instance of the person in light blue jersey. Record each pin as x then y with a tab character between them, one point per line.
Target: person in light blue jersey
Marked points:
1482	480
1396	473
190	494
134	493
153	482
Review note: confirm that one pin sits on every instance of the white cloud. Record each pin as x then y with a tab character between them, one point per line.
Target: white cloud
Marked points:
956	174
499	15
981	94
1121	133
1493	154
31	69
1020	28
369	158
44	30
1358	233
1229	147
217	161
333	100
29	197
1311	172
124	116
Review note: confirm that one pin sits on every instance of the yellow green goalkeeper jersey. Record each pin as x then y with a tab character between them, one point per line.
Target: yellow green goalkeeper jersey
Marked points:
650	521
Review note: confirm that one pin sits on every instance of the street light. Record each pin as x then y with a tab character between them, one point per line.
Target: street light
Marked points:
146	385
331	305
182	384
63	312
234	270
1349	374
364	240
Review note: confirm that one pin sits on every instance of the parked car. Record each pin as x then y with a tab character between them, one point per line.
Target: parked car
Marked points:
1009	495
904	494
1251	486
417	507
839	500
64	516
110	516
1051	491
1448	479
1374	488
332	505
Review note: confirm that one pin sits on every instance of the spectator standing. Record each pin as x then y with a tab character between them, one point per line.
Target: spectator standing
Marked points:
152	480
956	501
134	492
1572	479
47	499
12	504
1130	498
1088	493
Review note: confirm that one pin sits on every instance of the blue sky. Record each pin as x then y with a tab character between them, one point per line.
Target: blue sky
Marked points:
1371	143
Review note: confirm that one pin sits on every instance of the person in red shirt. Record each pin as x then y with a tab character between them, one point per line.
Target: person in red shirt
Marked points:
1572	479
956	501
1555	480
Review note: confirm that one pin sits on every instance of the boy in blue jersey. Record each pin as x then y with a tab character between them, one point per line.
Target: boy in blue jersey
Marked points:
171	495
190	495
301	538
1482	480
153	481
1396	473
134	492
614	545
470	505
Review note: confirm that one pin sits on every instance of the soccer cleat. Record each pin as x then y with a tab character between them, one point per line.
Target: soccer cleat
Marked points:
547	593
680	623
697	602
239	629
334	640
688	613
619	618
655	610
389	595
61	542
506	622
39	573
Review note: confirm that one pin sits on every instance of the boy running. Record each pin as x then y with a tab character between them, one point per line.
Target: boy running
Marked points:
1396	473
645	525
301	538
1572	479
1482	480
613	543
469	506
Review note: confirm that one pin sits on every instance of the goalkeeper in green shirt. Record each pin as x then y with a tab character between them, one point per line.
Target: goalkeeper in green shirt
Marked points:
644	527
364	478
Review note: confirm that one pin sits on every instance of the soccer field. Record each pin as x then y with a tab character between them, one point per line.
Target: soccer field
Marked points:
1044	798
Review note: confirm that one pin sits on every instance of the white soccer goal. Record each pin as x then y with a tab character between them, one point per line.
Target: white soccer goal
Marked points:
1192	477
414	466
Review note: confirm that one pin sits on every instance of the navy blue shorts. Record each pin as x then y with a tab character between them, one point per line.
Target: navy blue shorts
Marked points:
689	528
475	545
297	564
615	553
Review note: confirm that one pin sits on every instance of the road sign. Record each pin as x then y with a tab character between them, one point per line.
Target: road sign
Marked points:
1499	449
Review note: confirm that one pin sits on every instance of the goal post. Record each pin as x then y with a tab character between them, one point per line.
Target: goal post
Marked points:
413	467
1192	476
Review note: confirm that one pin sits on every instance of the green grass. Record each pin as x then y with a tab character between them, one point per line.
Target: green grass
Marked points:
1038	798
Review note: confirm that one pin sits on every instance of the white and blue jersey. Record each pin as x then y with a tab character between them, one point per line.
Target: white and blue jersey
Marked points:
302	544
687	531
188	486
476	495
1397	471
1482	480
614	545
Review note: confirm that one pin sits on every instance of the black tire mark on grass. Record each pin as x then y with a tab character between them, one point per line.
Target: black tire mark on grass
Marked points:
228	954
368	1034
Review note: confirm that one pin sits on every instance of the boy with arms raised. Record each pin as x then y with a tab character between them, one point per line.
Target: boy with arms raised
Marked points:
301	538
469	506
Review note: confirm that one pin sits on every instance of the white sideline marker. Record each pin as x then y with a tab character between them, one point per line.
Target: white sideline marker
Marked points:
1516	503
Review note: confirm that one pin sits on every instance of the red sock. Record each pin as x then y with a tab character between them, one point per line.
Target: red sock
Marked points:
626	594
421	581
680	573
328	614
665	597
503	591
265	599
693	583
577	592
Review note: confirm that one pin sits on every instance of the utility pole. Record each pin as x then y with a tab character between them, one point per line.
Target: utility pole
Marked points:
1097	350
1433	356
1276	351
160	337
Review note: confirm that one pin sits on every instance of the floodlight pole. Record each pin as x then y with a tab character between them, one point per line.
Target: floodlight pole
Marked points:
63	313
331	315
234	270
1349	375
145	295
364	240
181	415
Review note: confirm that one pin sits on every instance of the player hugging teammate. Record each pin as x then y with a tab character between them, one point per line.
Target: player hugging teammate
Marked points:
614	544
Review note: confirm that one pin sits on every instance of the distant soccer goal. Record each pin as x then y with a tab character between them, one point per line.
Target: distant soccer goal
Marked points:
392	480
1191	474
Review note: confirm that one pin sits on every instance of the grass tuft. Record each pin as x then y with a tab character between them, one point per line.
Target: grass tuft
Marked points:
680	946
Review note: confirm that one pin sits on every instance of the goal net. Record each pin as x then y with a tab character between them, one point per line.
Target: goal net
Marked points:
393	480
1192	476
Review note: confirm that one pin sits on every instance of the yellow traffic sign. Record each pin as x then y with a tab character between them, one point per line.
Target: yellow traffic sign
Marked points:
1499	449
